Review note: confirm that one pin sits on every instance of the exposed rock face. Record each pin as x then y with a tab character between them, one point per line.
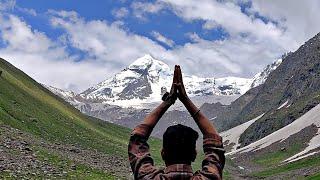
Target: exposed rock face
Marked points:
261	77
290	90
140	88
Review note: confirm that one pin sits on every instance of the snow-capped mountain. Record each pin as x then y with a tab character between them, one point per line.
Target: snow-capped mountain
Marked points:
146	79
261	77
66	95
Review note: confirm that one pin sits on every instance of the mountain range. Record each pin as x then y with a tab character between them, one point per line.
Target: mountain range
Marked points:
146	79
129	95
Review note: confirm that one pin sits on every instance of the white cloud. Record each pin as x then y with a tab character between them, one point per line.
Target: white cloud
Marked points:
293	22
236	56
226	14
109	47
298	18
211	24
31	12
107	42
159	37
140	9
7	5
120	13
45	60
286	25
20	37
111	44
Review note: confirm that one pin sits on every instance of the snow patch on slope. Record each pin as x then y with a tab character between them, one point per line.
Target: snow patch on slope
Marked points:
60	92
232	135
308	119
67	95
234	83
284	104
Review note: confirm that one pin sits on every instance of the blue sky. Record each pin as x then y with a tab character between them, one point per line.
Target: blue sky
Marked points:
166	22
55	42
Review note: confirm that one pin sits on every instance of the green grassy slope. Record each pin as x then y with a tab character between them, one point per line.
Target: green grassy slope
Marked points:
302	165
28	106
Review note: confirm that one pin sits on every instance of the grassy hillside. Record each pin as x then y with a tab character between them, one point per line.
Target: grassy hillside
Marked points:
29	107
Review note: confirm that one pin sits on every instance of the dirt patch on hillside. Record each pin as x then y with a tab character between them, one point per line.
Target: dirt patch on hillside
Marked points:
23	156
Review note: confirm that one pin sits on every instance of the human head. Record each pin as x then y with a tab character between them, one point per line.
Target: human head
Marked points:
179	145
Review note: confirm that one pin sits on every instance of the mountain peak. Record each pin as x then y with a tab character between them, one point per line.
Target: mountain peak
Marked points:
145	62
142	63
261	77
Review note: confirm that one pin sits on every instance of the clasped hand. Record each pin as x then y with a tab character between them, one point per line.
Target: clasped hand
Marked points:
177	88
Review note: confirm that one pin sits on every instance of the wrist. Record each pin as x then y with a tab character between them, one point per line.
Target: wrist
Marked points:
169	98
167	103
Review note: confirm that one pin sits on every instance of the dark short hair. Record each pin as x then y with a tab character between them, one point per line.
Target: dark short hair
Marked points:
179	144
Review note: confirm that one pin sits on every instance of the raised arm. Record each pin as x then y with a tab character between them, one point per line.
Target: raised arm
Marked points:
213	163
152	119
202	121
138	150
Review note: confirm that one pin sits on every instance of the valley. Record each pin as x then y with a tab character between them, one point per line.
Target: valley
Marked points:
270	123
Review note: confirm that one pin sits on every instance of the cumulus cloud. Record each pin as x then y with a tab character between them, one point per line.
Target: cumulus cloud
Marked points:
226	14
109	46
7	5
140	9
106	42
30	11
113	45
43	59
209	25
159	37
120	13
286	23
298	18
230	57
285	26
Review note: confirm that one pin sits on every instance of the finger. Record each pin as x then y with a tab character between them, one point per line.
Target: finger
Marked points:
175	74
179	75
175	79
